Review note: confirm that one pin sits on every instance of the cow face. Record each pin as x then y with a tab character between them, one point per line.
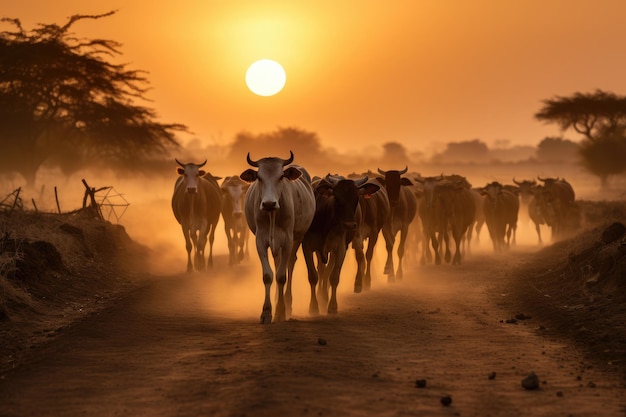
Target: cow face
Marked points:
346	195
233	191
393	181
270	179
191	174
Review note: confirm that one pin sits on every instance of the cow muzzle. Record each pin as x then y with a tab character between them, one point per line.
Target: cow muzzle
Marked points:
269	205
192	190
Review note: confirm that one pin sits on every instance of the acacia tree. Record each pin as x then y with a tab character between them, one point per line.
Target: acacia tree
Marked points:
63	103
601	118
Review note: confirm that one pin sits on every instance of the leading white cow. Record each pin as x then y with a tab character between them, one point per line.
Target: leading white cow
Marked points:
279	208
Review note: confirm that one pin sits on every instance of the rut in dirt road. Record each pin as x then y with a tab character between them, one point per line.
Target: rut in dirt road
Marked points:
172	348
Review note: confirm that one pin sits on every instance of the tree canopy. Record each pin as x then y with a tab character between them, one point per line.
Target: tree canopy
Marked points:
63	103
601	118
587	113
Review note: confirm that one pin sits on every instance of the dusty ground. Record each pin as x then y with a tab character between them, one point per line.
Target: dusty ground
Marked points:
85	333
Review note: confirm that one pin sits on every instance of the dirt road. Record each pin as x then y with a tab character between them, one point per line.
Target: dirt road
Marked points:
176	348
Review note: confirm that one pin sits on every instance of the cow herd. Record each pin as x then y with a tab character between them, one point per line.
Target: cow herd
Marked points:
287	210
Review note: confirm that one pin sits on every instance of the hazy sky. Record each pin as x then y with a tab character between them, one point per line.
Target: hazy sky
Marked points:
361	73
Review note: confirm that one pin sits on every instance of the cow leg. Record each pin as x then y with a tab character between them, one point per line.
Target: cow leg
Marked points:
290	266
369	254
284	262
337	262
389	243
322	274
434	242
268	277
188	248
538	229
448	253
313	278
211	240
357	245
403	235
458	239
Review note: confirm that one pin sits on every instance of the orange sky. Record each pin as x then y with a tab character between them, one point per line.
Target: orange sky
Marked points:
361	73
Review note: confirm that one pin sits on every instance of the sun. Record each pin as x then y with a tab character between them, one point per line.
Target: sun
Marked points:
265	77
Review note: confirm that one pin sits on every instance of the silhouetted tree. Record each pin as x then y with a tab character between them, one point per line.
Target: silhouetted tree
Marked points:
601	118
304	144
587	114
606	154
63	104
394	156
559	150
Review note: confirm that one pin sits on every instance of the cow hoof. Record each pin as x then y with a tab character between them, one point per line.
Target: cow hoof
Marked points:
266	318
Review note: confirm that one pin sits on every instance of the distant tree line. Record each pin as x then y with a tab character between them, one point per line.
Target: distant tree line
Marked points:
64	104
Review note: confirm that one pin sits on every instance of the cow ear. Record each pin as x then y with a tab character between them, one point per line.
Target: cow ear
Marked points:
249	175
405	181
202	173
324	188
180	171
381	180
368	189
292	173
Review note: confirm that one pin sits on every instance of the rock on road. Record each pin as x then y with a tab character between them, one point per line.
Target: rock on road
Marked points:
172	348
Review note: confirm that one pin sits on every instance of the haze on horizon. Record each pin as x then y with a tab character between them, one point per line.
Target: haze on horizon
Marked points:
360	74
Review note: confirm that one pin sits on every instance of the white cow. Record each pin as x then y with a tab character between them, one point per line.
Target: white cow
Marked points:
279	208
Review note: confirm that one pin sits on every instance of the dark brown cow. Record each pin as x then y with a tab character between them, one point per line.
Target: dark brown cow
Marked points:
403	207
501	208
428	214
372	214
559	207
334	226
456	211
196	204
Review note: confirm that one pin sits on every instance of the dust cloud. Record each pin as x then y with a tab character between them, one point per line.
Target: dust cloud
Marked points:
238	291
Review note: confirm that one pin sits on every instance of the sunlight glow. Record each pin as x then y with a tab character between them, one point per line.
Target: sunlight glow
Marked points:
265	77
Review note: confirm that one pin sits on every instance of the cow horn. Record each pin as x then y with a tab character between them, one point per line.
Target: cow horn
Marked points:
251	162
541	179
361	181
331	179
404	171
203	164
179	163
290	160
516	182
381	172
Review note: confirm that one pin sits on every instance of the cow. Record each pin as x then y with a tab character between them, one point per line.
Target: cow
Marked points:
334	226
372	214
455	212
558	206
427	213
526	194
536	208
403	207
196	204
279	208
237	231
501	208
446	208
